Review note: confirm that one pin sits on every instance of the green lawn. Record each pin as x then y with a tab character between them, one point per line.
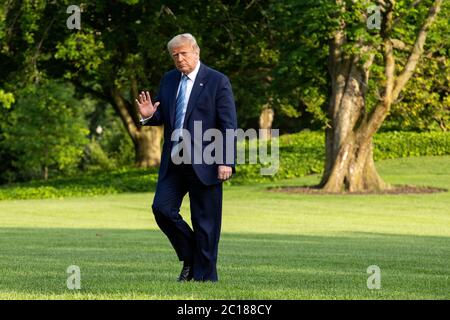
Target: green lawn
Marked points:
273	246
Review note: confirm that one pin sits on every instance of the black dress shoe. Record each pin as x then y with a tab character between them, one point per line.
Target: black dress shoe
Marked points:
186	274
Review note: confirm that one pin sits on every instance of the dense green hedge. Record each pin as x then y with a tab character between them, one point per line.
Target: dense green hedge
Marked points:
392	145
125	180
303	153
300	154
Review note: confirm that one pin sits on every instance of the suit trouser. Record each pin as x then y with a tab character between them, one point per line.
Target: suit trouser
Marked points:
199	245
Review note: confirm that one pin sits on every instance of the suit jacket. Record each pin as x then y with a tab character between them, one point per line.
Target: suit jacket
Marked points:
211	102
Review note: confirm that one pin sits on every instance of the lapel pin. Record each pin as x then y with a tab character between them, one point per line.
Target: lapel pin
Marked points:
201	84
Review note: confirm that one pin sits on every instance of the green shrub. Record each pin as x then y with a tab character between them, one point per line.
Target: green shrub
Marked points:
95	158
125	180
300	154
304	153
392	145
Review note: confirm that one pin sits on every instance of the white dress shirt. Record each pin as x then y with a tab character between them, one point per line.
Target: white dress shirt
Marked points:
189	84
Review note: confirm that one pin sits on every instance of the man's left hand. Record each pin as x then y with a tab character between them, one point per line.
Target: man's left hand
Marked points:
224	173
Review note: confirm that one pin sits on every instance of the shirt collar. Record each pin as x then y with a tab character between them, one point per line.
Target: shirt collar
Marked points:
194	72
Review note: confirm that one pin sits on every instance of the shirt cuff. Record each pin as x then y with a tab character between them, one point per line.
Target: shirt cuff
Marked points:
144	121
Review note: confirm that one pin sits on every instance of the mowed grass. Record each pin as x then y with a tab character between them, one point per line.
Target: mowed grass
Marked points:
273	245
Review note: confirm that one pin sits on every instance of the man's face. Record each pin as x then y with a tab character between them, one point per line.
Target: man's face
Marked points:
185	58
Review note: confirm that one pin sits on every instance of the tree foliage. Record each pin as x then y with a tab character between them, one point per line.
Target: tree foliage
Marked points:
276	54
46	131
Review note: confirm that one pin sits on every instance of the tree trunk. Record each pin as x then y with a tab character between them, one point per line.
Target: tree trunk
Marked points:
146	140
45	172
265	122
148	147
352	167
349	163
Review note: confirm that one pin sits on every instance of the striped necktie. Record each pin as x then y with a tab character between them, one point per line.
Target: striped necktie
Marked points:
180	112
180	105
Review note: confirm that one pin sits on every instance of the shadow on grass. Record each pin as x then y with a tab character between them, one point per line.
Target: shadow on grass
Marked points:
137	263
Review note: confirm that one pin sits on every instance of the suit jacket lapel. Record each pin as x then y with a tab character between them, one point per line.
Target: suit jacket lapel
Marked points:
197	88
173	97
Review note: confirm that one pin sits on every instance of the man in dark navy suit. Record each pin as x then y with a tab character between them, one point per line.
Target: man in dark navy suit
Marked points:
191	93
